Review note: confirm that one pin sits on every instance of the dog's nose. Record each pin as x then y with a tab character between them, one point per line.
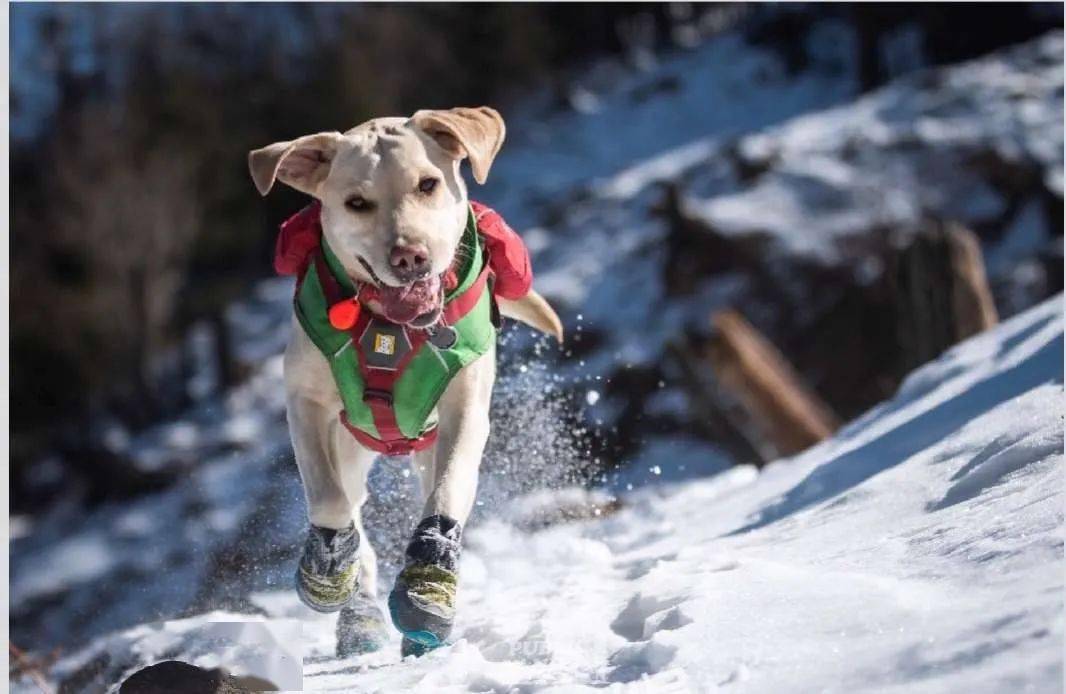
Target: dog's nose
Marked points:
409	262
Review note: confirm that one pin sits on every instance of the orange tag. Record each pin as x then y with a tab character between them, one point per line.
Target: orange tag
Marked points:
344	314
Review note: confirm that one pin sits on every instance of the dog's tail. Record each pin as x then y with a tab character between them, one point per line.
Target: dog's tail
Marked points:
533	310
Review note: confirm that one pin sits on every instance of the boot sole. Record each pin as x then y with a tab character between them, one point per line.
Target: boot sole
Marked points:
424	628
409	647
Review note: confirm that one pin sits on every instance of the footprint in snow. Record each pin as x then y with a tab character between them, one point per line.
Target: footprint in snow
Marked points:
638	568
644	616
635	661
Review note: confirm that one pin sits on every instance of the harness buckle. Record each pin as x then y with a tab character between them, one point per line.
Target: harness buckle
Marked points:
377	394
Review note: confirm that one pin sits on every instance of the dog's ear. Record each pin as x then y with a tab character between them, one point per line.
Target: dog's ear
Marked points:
476	133
302	163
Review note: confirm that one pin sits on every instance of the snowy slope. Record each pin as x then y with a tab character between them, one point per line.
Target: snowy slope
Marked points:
920	549
627	117
923	144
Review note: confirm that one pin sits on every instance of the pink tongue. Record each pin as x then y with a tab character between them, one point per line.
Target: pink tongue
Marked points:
404	304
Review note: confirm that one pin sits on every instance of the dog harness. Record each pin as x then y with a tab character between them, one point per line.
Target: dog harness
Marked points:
391	376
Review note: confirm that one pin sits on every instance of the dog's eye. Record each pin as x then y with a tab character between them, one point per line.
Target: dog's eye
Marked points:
427	185
357	203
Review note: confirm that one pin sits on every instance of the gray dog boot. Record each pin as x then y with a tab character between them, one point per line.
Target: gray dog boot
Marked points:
328	573
422	602
361	627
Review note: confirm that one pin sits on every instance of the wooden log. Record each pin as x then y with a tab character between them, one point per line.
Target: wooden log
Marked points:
788	414
971	297
942	292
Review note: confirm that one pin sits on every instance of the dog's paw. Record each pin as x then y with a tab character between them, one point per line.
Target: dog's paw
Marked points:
361	628
422	603
328	574
413	648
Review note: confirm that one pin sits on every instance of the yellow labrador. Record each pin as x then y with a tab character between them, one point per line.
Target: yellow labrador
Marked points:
393	210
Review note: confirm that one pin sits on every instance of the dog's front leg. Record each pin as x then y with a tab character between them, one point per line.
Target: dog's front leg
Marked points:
333	470
338	569
422	601
311	426
328	572
464	430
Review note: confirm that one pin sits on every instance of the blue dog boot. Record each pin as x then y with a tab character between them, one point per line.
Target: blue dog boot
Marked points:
422	601
328	573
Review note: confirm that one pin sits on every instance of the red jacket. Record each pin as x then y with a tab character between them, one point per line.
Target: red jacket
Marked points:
301	234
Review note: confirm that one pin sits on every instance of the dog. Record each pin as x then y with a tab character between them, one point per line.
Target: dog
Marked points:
395	223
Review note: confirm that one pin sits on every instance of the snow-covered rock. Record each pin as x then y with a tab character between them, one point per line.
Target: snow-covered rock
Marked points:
939	141
946	142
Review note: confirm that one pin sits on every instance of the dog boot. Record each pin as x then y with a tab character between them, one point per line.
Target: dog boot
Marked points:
361	627
409	647
328	573
422	602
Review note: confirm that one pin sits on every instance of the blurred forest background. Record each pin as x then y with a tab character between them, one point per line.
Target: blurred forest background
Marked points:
132	215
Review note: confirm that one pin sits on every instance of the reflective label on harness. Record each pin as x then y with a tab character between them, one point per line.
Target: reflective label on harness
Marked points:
384	344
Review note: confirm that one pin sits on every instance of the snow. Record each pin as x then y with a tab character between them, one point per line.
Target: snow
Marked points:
1026	232
901	151
919	549
640	115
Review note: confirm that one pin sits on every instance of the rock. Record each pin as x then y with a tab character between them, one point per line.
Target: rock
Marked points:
176	677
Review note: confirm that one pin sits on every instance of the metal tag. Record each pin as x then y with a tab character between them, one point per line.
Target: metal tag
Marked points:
443	337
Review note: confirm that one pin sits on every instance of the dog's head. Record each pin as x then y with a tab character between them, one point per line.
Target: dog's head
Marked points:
394	205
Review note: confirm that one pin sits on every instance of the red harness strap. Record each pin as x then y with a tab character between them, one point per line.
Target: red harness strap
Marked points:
377	394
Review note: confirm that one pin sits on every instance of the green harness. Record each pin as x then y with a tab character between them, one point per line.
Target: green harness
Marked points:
390	376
